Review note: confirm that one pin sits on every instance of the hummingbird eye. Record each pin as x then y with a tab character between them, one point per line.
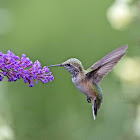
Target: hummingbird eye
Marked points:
69	65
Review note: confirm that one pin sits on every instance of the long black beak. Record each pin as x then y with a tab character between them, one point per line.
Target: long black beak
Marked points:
54	65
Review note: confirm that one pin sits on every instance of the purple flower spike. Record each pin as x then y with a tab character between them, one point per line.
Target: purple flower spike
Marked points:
15	68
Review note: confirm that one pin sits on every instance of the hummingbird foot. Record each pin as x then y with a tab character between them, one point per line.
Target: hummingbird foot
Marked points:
88	100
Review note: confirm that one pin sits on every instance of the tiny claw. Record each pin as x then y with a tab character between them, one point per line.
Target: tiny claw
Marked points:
88	100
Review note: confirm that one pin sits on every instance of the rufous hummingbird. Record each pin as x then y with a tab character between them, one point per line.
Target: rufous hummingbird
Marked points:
87	81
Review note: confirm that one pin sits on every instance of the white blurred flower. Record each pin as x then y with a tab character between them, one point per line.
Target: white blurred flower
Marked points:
6	133
137	122
6	21
128	70
120	14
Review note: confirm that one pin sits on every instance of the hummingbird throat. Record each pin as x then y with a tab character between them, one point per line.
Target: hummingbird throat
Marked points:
73	72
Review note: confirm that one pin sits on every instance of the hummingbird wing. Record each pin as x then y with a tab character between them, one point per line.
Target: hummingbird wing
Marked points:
101	68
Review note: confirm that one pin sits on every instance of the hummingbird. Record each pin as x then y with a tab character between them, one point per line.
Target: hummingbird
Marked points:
87	81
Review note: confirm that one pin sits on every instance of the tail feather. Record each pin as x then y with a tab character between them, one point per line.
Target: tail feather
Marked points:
94	109
93	112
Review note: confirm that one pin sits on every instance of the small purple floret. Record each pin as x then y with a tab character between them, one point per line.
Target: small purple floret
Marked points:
31	84
1	78
15	68
4	73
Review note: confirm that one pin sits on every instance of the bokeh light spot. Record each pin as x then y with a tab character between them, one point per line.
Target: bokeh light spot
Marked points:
6	21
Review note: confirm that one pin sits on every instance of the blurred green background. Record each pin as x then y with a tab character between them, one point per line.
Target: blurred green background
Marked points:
53	31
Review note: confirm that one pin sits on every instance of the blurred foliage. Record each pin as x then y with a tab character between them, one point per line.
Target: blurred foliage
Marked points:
53	31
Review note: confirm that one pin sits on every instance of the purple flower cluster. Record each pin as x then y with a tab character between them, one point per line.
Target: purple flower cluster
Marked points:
14	67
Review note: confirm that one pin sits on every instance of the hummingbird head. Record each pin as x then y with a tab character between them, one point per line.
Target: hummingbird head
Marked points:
73	65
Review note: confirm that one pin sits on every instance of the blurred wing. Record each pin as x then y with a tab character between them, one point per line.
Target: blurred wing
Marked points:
101	68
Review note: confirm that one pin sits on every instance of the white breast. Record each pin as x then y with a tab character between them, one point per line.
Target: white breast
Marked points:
78	85
74	80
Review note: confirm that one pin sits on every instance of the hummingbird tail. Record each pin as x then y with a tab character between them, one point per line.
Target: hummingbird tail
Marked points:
94	109
96	105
